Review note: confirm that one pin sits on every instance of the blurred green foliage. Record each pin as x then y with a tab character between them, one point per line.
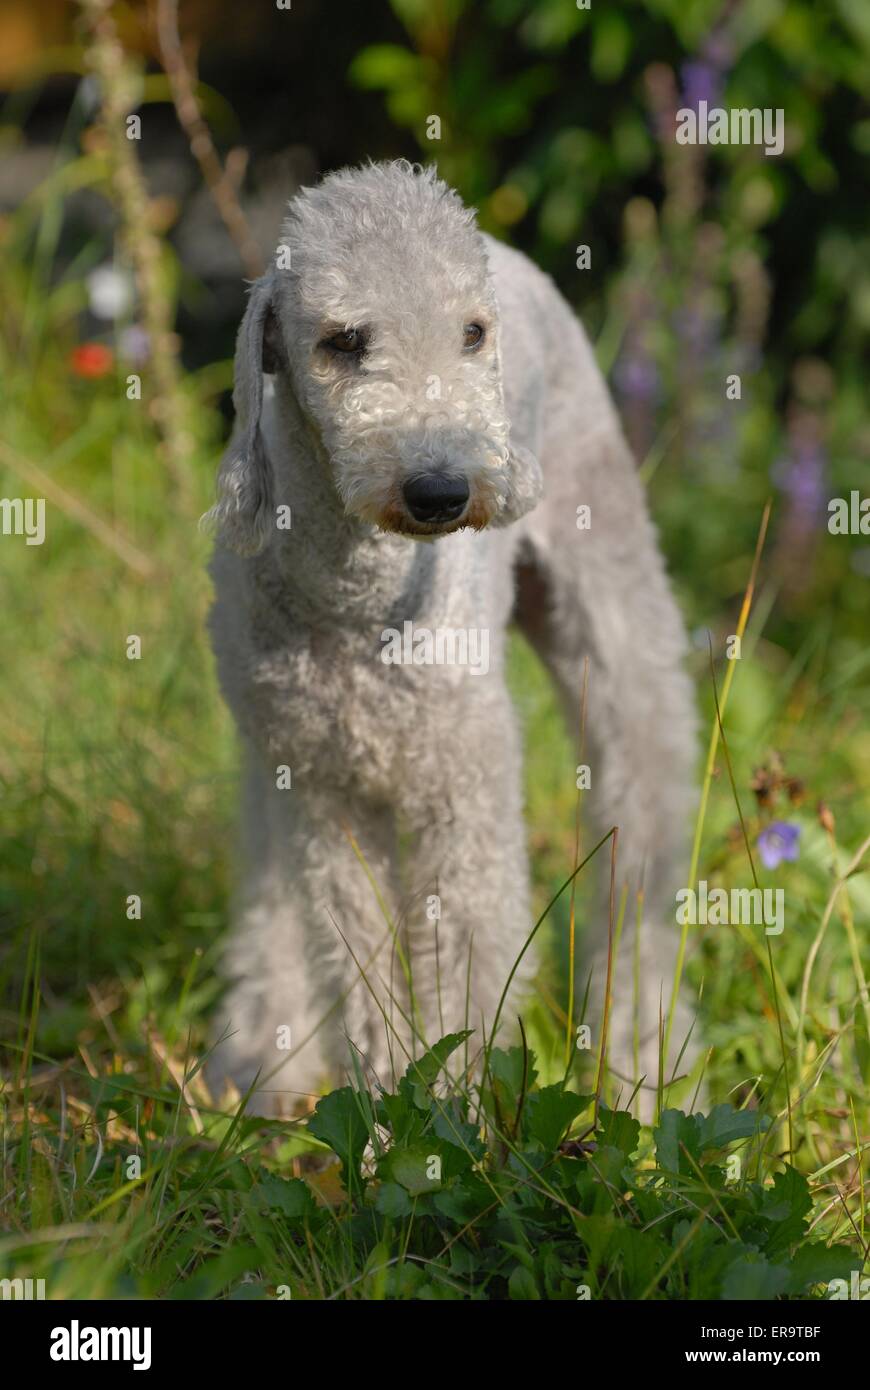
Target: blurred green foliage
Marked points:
558	123
546	125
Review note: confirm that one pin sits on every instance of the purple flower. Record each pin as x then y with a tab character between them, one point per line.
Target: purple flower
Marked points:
801	477
777	842
134	344
701	82
718	51
693	328
636	377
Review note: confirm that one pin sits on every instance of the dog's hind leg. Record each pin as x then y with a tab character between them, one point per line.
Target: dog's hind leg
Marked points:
592	584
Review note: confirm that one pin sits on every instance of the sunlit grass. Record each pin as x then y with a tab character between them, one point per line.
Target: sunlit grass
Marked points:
118	779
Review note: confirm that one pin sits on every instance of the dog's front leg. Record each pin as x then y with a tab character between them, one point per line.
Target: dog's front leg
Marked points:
470	915
310	957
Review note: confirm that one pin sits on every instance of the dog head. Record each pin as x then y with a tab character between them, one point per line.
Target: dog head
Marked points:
381	311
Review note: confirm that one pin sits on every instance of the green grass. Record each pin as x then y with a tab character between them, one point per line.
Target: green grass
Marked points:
118	779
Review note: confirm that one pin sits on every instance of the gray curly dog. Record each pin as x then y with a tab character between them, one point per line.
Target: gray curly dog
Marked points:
420	424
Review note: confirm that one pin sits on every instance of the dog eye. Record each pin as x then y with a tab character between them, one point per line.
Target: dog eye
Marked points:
351	340
473	335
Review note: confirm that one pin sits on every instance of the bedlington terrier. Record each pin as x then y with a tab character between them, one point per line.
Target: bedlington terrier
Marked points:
424	450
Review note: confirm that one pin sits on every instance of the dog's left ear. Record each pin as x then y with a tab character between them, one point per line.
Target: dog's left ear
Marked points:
244	515
525	486
525	481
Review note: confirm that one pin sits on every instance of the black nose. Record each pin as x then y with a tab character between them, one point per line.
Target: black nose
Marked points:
435	496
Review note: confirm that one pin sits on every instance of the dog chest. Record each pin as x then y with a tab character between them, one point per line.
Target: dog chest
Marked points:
362	715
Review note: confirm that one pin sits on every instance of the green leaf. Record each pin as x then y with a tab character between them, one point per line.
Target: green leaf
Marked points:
702	1264
393	1200
639	1254
522	1286
601	1180
789	1196
618	1129
464	1201
339	1121
401	1116
817	1263
549	1112
411	1168
611	45
673	1131
784	1207
506	1067
423	1071
724	1124
385	65
596	1234
377	1271
405	1281
291	1196
751	1277
448	1123
525	1257
552	1269
696	1133
215	1274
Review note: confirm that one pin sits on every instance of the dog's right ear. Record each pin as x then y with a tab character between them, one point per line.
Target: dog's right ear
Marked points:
244	515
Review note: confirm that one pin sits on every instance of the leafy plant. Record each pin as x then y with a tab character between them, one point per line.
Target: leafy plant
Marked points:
482	1193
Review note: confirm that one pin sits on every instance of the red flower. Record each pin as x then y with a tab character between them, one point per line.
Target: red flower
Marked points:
91	360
